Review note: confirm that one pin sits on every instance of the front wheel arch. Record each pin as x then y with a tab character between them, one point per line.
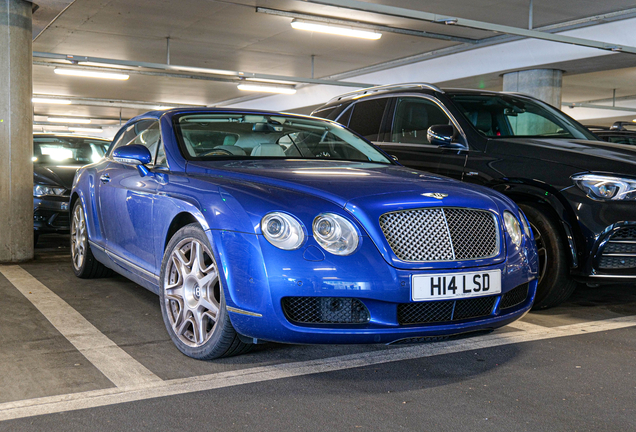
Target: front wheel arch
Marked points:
556	207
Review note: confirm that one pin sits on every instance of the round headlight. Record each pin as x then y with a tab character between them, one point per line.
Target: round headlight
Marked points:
335	234
513	228
282	230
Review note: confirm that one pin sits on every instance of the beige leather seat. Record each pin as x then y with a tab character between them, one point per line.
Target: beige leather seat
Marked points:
268	149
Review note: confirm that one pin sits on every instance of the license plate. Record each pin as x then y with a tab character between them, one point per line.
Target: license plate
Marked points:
455	285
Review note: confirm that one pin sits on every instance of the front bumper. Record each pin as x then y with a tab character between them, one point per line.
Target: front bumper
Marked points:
608	239
259	277
51	214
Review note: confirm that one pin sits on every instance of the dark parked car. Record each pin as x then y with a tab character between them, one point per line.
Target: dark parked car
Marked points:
619	133
577	192
56	158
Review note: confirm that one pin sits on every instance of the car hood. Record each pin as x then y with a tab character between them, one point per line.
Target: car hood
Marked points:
61	175
343	182
582	154
364	190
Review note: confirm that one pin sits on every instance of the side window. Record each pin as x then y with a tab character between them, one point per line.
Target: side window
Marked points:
144	132
161	161
124	138
367	117
413	117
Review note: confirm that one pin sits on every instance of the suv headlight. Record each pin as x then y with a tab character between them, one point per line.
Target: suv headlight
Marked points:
335	234
42	190
606	188
282	230
513	228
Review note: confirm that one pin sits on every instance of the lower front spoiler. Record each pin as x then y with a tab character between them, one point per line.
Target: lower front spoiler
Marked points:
260	328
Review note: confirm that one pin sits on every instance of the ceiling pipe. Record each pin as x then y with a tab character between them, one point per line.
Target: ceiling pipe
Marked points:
595	106
490	41
363	25
175	71
115	103
479	25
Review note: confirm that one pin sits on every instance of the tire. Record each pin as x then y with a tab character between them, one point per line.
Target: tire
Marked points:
36	237
193	300
555	284
84	264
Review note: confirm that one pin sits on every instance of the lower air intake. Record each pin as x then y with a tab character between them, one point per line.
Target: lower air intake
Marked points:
325	310
445	310
514	297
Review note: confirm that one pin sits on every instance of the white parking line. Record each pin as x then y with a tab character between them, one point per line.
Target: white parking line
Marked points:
115	363
525	326
96	398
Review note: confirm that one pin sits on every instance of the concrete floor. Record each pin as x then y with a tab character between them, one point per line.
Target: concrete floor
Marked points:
570	368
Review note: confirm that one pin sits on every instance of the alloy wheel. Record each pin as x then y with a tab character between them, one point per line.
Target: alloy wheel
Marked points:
78	238
192	292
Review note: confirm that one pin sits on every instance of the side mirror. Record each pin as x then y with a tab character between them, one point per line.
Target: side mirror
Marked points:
442	135
134	154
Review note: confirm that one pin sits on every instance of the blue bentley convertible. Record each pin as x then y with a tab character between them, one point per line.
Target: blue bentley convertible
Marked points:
259	226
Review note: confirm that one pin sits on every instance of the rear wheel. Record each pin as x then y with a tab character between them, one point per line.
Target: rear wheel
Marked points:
193	301
85	265
555	284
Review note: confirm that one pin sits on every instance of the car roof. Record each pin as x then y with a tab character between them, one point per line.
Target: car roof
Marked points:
410	88
156	115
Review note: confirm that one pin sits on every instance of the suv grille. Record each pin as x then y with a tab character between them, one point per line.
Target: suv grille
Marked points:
441	234
445	310
325	310
619	252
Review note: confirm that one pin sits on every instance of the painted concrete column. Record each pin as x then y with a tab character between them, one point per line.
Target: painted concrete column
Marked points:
16	131
544	84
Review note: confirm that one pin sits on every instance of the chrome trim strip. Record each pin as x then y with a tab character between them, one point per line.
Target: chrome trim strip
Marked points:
121	260
619	254
243	312
613	276
622	241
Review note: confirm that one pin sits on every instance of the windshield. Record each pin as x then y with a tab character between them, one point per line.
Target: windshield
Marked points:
52	150
216	136
506	116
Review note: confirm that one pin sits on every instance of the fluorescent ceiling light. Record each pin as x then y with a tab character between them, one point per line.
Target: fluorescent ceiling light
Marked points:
91	74
335	29
273	81
51	101
266	88
68	120
83	129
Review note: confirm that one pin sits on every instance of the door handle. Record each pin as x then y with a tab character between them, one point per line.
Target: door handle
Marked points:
105	178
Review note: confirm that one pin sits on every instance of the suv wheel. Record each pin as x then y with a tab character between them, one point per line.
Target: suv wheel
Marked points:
555	283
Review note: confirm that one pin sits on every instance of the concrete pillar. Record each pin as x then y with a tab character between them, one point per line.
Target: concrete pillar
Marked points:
16	132
544	84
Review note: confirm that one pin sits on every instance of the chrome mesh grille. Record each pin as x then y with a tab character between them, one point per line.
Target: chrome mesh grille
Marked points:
441	234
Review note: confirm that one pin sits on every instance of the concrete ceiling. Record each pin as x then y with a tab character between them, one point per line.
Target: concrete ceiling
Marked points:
231	35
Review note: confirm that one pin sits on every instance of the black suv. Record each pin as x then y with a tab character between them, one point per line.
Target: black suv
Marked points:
578	193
